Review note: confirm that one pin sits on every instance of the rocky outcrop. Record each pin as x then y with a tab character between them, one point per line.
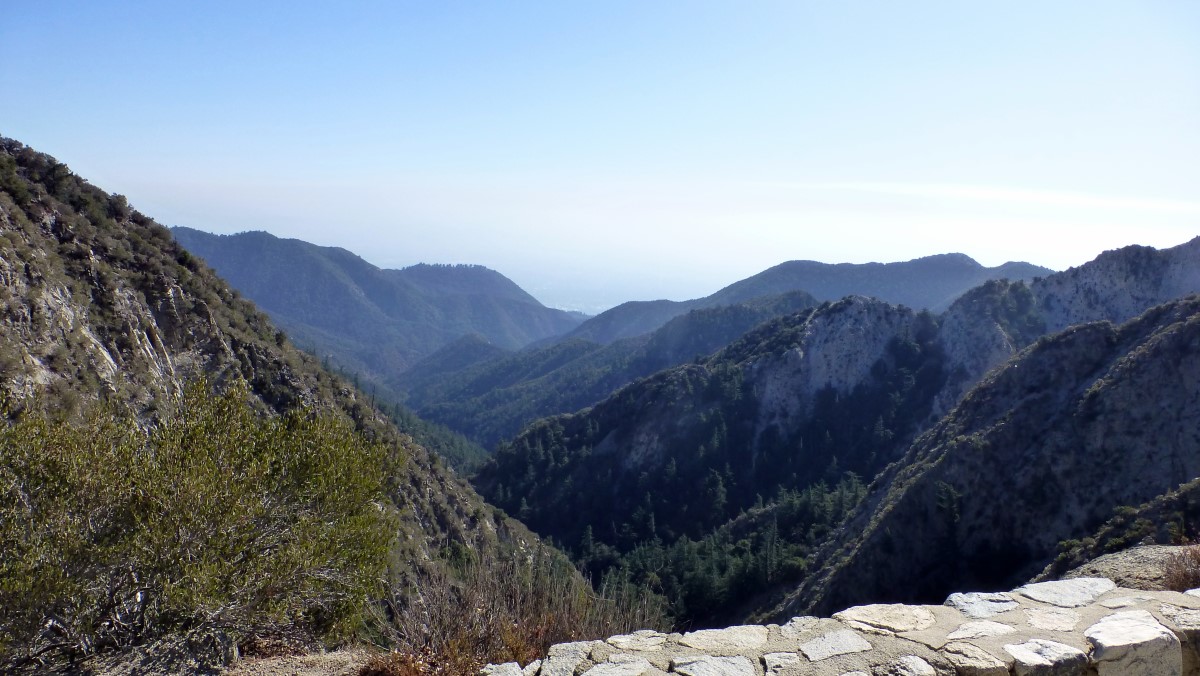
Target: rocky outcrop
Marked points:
1044	450
1085	626
994	321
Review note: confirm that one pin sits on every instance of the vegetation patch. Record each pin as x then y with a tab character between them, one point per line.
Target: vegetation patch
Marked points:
215	518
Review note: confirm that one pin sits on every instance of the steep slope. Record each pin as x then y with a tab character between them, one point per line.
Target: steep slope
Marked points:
492	399
929	283
789	405
1043	450
992	322
374	321
793	405
99	302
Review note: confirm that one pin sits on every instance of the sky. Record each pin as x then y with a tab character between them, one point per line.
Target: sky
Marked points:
603	151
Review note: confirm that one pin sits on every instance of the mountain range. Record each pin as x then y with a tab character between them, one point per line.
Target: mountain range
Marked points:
812	437
823	397
477	373
371	320
930	283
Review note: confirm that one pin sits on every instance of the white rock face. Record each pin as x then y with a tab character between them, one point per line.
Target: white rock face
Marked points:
980	629
1133	643
892	617
713	666
1039	657
730	641
842	642
981	605
531	669
837	349
1074	593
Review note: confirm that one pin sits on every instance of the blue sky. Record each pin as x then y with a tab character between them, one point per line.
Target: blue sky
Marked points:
596	152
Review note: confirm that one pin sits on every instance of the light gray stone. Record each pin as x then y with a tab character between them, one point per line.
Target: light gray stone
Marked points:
1039	657
971	660
506	669
892	617
1186	619
729	641
980	629
645	640
798	626
713	666
1193	592
1134	643
531	669
908	665
1073	593
634	667
981	605
1124	601
855	673
841	642
565	657
777	662
1052	619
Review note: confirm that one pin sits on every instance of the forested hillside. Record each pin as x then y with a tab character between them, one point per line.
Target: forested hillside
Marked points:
819	401
1084	422
373	322
489	397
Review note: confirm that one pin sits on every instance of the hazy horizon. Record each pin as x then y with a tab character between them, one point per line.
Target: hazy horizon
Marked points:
599	153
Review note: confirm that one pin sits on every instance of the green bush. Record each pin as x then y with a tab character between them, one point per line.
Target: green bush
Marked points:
215	518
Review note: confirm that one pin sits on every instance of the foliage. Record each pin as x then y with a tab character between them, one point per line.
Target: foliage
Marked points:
1181	571
215	517
504	611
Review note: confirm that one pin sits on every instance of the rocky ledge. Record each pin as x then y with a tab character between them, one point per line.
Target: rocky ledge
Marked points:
1080	626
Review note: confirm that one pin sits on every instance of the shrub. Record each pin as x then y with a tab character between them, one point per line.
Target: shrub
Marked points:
1181	571
212	519
510	611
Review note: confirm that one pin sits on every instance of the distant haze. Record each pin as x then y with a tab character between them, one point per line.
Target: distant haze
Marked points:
602	152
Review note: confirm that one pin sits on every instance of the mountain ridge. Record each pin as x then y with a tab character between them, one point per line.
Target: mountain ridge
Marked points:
386	318
931	282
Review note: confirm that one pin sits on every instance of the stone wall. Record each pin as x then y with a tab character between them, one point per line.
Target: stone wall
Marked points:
1081	626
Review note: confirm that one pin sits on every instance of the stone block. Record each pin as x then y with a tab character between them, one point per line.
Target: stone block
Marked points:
1134	643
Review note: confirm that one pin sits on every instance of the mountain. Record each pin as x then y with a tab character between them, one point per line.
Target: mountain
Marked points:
373	321
929	283
100	304
793	413
489	395
1045	449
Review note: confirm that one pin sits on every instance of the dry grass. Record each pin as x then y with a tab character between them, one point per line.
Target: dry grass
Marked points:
1181	572
504	612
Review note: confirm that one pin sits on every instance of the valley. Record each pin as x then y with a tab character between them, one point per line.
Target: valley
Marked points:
813	437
